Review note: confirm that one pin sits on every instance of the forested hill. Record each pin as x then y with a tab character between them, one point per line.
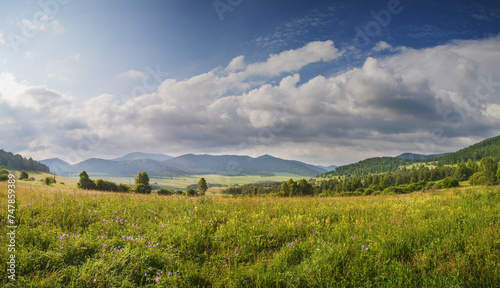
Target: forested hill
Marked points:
370	166
18	162
487	148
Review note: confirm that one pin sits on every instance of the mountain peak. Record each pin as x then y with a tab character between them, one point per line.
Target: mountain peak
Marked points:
141	155
266	156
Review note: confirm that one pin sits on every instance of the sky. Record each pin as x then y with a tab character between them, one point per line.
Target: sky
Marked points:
324	82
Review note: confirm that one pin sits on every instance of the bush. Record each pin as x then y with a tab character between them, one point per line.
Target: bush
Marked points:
49	180
24	175
142	188
478	178
124	188
166	192
104	185
191	192
4	171
4	177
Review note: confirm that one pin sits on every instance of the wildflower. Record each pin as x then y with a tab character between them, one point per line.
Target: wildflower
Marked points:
157	279
228	258
169	273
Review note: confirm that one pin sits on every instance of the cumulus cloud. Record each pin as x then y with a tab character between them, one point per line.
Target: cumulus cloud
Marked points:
381	46
423	101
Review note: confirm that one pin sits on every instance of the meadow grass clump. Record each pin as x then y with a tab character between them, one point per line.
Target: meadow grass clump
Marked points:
69	237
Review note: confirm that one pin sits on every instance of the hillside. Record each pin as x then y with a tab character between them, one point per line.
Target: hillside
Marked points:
369	166
56	165
487	148
18	162
414	156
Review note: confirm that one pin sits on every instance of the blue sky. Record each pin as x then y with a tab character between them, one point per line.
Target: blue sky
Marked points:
327	82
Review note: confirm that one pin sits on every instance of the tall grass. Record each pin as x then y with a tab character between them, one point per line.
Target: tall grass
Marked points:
72	238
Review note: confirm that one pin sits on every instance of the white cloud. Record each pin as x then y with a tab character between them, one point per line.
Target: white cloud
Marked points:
386	106
2	40
294	60
46	23
381	46
132	74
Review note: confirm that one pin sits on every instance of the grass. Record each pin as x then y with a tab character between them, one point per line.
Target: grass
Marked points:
72	238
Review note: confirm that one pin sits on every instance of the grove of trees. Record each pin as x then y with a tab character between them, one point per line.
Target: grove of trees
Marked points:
18	162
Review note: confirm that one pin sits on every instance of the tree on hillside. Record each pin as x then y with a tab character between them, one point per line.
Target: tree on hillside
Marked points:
142	183
202	186
85	182
489	169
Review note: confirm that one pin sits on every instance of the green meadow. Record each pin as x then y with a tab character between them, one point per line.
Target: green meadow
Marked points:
73	238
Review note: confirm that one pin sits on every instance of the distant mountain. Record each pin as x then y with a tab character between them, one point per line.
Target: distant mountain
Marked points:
140	155
56	165
486	148
413	156
327	168
189	164
242	165
96	167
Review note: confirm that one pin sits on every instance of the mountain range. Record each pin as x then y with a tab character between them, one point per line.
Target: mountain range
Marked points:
160	165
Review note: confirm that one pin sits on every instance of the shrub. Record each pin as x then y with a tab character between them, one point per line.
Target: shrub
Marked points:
4	171
24	175
104	185
4	177
141	188
124	188
166	192
478	178
49	180
191	192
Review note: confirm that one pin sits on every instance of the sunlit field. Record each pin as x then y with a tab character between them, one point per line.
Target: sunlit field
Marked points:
182	182
72	238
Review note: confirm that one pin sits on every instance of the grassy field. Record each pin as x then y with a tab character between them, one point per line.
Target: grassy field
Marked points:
182	182
72	238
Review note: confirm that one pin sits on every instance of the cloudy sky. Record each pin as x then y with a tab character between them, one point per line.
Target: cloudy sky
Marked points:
326	82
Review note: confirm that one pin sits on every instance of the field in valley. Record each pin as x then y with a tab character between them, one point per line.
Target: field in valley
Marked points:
182	182
72	238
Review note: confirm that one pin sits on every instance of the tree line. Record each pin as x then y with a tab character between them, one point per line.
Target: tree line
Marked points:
141	186
405	180
18	162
